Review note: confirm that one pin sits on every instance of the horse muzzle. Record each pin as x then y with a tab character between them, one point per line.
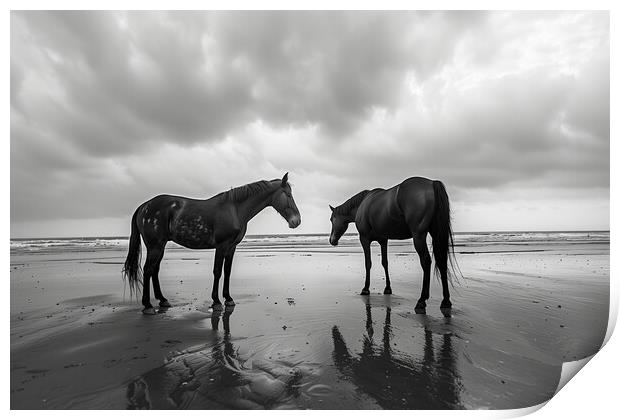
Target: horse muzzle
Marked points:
333	241
294	221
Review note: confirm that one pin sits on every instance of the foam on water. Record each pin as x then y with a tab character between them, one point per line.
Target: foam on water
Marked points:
50	245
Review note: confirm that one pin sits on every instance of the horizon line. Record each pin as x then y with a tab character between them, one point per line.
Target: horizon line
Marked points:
317	234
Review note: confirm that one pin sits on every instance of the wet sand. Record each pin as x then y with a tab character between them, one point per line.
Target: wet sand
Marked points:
300	335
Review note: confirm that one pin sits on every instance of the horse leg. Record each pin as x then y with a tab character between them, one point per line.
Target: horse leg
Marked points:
163	302
441	260
419	242
228	301
366	246
217	273
152	257
384	263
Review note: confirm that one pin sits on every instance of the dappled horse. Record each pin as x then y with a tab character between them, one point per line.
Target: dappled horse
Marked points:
219	222
411	209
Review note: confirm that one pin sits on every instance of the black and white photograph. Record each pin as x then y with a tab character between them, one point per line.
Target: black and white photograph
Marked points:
324	210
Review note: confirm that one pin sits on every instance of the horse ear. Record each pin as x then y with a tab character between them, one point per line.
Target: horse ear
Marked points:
331	208
285	179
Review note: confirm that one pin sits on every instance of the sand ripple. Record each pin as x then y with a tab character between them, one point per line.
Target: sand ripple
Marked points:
218	377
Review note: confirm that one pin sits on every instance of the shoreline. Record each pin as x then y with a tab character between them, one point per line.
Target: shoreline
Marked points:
323	234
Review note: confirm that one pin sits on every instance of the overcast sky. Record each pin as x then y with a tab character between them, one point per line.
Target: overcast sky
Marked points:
509	110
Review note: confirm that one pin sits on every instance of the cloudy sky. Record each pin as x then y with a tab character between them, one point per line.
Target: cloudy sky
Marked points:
509	110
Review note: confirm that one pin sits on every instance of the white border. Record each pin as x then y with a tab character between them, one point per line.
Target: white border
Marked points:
592	393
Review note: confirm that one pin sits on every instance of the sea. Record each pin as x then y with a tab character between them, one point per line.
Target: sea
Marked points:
464	242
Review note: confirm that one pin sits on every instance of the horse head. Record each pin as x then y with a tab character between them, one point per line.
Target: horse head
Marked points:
340	223
284	203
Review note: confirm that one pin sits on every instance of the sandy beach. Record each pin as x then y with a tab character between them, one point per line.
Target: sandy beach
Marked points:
301	336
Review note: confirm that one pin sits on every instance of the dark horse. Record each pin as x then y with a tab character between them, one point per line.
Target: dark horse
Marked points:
412	209
219	222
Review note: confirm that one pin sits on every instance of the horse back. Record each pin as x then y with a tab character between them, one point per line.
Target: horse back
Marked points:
192	223
398	212
379	216
153	217
416	199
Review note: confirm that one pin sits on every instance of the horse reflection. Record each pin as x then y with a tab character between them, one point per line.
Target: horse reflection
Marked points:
214	376
396	379
175	384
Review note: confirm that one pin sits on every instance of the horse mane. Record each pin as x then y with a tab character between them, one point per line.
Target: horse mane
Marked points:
351	203
243	192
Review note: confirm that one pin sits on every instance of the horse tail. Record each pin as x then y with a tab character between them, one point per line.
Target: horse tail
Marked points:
131	270
441	225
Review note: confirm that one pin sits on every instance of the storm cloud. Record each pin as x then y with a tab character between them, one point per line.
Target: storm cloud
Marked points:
510	110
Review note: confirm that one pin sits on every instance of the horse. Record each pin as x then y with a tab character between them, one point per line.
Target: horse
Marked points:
412	209
219	222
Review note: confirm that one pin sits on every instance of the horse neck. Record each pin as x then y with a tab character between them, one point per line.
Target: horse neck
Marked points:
353	203
352	214
254	204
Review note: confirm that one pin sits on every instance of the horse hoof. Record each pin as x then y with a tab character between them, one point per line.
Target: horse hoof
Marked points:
217	307
165	304
387	291
230	303
365	292
420	307
149	311
447	312
446	304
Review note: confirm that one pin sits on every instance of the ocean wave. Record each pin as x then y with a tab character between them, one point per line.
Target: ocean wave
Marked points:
463	239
